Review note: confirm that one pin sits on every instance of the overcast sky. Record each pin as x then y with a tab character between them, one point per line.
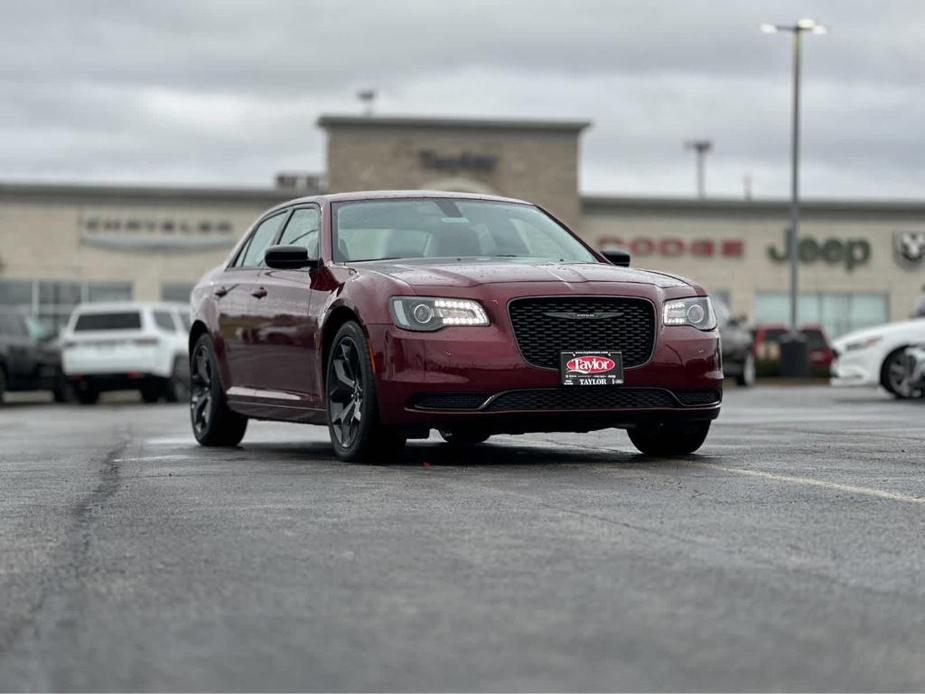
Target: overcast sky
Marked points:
227	93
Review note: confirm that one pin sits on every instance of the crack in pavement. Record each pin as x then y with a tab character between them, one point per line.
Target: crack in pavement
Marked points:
68	566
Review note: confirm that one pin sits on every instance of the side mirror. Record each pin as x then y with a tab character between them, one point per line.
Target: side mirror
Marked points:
616	256
289	258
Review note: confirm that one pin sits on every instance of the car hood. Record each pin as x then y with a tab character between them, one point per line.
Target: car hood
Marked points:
471	274
912	330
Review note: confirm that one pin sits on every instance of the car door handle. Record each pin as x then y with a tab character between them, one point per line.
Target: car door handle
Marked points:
221	291
260	292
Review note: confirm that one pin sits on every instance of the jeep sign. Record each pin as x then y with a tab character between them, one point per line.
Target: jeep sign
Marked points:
832	251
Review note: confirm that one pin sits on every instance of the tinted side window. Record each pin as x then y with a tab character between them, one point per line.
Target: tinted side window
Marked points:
302	230
163	321
260	240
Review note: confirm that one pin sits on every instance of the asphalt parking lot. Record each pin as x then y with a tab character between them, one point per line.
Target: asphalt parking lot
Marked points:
787	555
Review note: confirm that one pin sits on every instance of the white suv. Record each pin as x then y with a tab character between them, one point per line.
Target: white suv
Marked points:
128	346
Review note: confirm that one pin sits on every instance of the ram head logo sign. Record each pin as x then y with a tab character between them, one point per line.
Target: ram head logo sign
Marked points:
909	247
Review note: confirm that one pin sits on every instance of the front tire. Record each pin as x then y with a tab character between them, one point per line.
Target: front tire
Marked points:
178	386
667	440
352	406
747	377
214	424
895	376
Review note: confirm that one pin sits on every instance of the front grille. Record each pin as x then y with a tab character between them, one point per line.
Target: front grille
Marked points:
577	398
449	401
541	337
698	397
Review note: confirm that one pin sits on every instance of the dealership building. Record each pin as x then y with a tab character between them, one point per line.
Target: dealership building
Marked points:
862	263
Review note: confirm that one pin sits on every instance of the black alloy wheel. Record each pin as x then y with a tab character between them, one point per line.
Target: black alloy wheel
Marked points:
214	424
353	410
667	440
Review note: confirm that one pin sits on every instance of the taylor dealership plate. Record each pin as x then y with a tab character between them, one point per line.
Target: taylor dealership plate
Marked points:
591	368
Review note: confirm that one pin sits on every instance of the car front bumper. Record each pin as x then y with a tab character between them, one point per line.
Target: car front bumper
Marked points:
477	377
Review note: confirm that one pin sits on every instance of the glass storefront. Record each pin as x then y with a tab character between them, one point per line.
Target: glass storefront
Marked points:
837	312
52	301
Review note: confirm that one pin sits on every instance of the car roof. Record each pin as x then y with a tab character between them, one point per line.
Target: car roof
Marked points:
396	195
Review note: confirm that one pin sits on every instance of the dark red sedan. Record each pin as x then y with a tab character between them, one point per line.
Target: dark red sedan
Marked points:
385	315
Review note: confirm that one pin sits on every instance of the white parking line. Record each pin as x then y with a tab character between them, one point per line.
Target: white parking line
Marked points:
150	457
806	481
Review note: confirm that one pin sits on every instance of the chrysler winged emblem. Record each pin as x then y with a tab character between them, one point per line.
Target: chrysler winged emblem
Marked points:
574	315
909	246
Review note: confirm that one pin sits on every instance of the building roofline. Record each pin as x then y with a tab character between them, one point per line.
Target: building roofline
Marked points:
273	196
426	122
738	205
147	192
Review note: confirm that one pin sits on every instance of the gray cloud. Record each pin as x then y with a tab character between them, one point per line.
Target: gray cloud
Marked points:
227	92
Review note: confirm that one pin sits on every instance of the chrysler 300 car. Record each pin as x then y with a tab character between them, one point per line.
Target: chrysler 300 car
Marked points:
385	315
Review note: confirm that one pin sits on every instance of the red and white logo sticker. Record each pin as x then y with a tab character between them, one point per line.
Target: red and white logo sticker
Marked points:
590	365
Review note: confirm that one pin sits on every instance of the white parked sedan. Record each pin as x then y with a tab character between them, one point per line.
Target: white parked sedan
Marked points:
128	346
875	356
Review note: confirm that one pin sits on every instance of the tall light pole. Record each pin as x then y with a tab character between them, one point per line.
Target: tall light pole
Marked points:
700	147
799	361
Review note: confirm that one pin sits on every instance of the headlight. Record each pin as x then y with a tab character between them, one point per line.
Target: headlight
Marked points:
696	311
427	313
863	344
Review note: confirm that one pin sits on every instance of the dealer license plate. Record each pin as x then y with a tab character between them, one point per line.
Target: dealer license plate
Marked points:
591	368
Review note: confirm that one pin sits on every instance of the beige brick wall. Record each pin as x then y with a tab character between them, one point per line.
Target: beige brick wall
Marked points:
540	166
41	239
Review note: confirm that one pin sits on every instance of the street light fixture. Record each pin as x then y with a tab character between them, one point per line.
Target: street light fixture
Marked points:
794	358
701	147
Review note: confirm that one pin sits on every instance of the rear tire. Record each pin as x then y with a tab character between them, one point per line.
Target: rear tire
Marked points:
669	440
2	384
351	402
214	424
464	437
62	391
86	394
151	393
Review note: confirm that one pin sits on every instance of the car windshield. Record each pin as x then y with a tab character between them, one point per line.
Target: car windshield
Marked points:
451	228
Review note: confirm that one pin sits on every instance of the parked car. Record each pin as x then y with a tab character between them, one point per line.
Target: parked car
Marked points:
386	315
875	356
766	348
128	346
736	341
29	357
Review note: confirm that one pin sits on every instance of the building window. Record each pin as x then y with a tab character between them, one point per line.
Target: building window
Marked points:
837	312
52	301
176	291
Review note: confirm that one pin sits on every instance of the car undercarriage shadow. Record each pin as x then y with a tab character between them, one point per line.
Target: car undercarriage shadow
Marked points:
432	454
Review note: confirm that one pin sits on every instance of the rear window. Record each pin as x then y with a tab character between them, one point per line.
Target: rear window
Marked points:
814	338
122	320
